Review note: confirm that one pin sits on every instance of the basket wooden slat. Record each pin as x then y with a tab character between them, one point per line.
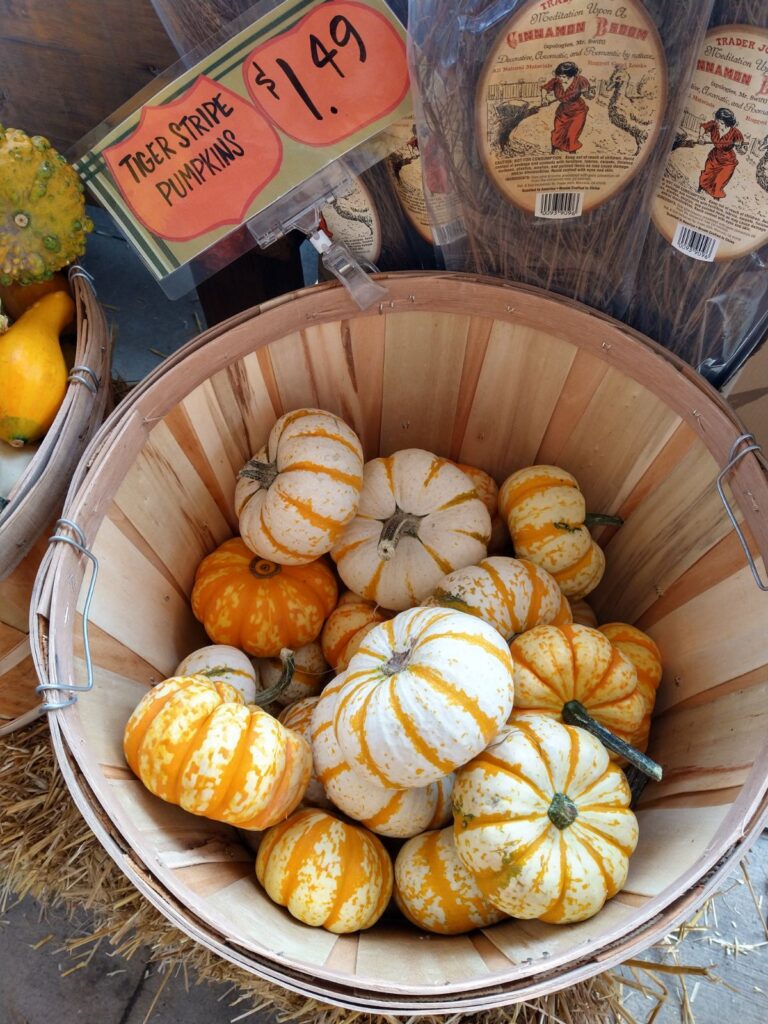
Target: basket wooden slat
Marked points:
486	373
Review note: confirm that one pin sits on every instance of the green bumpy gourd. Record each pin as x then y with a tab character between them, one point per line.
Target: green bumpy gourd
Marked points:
43	223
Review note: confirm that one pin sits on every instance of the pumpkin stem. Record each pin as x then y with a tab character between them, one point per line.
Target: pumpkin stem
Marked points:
264	473
637	782
574	713
289	667
397	661
598	519
401	524
263	569
562	811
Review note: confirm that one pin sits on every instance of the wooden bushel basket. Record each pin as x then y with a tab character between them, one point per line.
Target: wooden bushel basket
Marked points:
39	494
493	375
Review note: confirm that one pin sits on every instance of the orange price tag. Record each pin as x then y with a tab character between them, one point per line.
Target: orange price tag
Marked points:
341	68
195	164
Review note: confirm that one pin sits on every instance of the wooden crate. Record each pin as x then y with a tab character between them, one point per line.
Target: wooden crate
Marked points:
488	374
39	494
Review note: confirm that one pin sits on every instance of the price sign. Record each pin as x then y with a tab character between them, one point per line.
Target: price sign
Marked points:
339	70
228	138
197	163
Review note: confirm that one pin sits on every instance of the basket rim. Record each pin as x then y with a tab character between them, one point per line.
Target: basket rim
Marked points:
46	478
127	429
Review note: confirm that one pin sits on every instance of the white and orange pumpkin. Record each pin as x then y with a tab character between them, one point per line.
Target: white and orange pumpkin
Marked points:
583	613
419	518
193	742
645	655
346	626
309	676
511	594
425	692
488	492
296	495
384	809
557	665
298	717
542	821
546	516
435	891
327	873
225	664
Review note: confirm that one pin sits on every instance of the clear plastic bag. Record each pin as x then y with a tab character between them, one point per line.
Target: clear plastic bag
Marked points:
544	127
709	310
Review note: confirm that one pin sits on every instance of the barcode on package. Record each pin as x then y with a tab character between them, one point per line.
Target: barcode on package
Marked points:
695	243
559	205
453	231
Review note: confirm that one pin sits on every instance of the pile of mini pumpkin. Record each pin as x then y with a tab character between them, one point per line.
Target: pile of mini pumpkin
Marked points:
429	703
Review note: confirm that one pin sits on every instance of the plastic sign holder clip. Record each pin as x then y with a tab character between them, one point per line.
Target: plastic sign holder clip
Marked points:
336	256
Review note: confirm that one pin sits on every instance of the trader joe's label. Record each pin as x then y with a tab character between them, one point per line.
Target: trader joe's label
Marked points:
712	202
570	103
352	218
284	98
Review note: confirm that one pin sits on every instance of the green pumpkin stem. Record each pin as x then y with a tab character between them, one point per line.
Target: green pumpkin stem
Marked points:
637	782
289	667
598	519
574	713
562	811
264	473
400	524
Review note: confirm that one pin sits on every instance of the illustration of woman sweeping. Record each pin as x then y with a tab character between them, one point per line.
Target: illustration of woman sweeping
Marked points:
721	160
568	85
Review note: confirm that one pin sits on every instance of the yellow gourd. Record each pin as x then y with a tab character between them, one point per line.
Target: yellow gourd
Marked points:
33	373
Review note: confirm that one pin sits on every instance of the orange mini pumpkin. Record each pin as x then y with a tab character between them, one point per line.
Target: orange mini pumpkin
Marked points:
646	657
193	742
327	873
576	674
488	492
350	621
260	606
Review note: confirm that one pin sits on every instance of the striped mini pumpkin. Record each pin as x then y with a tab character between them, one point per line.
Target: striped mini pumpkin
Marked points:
545	512
558	664
488	492
435	891
542	820
389	811
260	606
351	619
225	664
295	496
298	717
511	594
193	742
424	694
311	672
646	657
327	873
419	518
583	614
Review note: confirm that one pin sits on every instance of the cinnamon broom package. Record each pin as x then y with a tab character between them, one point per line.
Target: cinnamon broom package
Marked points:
545	125
702	290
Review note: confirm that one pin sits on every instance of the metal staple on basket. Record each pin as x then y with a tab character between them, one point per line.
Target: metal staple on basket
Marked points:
734	457
92	380
45	706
